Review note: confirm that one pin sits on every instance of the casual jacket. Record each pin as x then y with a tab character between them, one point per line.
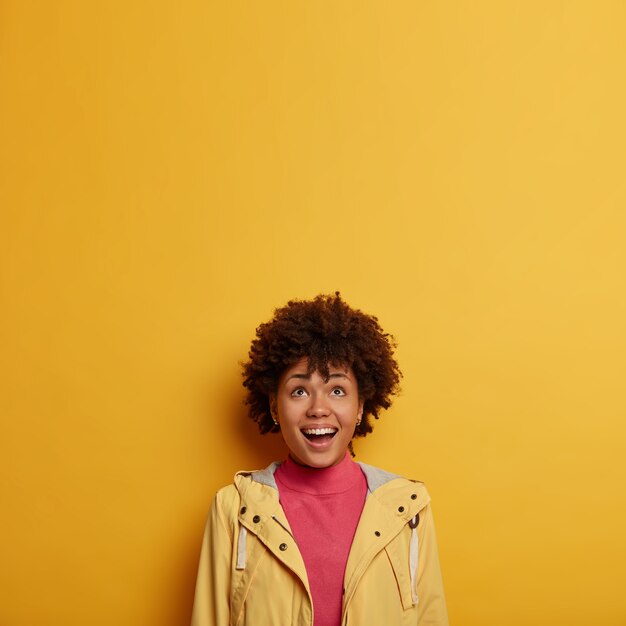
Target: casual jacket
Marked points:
252	574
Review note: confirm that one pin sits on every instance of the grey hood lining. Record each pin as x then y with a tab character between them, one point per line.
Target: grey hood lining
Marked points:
374	476
266	476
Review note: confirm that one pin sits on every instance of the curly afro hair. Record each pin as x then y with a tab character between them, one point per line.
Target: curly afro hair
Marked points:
328	332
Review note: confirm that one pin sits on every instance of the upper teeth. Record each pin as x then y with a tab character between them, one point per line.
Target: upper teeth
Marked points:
319	431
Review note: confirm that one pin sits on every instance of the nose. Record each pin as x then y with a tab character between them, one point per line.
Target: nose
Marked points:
318	406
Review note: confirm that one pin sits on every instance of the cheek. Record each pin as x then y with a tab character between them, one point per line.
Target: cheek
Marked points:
287	411
350	414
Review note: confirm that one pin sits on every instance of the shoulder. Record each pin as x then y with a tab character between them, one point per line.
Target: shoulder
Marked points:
224	507
248	486
385	485
244	478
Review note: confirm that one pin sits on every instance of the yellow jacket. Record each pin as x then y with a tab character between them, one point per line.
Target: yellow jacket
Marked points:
252	574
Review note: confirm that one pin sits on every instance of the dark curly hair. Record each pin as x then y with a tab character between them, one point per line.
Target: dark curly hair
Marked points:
328	332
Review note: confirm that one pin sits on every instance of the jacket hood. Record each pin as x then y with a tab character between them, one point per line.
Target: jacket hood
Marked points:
374	476
389	489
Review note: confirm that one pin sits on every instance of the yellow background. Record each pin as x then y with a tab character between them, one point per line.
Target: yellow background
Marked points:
171	172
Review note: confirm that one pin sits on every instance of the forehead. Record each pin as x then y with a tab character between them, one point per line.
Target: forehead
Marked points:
301	368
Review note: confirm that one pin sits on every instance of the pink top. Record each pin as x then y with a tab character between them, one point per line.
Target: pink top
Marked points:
323	507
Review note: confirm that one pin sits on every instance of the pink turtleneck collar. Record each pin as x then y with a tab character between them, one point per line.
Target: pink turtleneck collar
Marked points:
320	481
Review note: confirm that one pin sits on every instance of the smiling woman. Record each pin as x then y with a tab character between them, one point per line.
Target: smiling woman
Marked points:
318	539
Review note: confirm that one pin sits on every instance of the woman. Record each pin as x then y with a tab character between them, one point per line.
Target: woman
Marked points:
320	540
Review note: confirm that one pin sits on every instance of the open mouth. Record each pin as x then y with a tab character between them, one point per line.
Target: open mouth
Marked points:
319	435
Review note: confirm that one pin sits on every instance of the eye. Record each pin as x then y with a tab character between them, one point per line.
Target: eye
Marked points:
299	392
338	391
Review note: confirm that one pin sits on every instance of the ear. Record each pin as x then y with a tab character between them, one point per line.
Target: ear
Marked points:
273	411
359	414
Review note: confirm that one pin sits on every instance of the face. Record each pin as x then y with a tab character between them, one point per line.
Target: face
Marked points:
317	418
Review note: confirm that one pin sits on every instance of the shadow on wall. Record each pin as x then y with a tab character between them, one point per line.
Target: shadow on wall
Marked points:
260	449
185	579
250	450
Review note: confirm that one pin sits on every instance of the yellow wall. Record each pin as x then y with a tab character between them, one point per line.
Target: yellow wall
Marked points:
171	172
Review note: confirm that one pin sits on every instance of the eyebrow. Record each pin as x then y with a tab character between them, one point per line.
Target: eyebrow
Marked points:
308	376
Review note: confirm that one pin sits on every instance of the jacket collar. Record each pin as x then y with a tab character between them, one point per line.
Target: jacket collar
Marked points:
374	476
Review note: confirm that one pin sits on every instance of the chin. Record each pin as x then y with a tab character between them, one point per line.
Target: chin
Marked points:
315	463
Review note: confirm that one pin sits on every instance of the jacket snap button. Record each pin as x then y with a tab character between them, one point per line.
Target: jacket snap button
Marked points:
401	509
256	519
282	547
413	496
377	533
243	510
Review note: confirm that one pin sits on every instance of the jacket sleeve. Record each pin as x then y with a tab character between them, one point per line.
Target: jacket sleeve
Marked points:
432	603
211	602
